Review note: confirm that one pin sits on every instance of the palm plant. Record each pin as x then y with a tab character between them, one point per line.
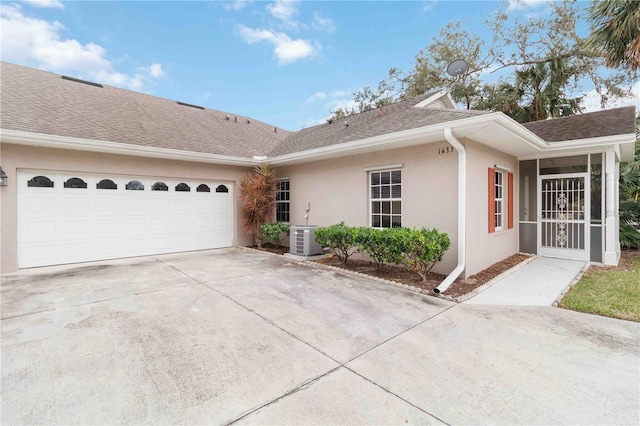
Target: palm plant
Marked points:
542	91
616	32
257	200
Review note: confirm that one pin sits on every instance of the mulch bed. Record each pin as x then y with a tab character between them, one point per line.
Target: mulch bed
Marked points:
627	257
272	248
398	274
394	273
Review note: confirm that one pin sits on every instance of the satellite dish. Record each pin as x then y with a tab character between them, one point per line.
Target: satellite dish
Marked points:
457	68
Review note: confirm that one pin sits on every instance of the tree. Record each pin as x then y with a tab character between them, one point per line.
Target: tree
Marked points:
257	200
615	32
366	100
429	70
527	44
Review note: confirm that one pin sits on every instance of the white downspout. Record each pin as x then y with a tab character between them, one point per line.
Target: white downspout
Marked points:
462	196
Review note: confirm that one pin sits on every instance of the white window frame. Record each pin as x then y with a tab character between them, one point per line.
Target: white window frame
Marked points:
280	201
499	188
381	199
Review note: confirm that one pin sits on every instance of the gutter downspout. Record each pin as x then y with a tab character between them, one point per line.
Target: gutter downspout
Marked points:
462	196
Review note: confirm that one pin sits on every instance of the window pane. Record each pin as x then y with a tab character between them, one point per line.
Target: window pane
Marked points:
498	178
375	207
134	185
375	178
183	187
396	191
375	221
396	207
396	176
75	183
386	221
40	182
203	188
106	184
386	192
375	192
385	178
222	188
498	207
159	186
396	221
386	207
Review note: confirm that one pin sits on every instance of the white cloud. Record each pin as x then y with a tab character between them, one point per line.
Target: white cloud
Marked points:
320	23
591	100
428	5
286	49
316	96
523	4
156	71
284	10
235	5
36	42
56	4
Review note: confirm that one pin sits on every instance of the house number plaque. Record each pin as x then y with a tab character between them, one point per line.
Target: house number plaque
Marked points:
445	150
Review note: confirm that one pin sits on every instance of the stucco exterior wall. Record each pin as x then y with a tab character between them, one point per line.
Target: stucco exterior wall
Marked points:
14	157
338	190
483	248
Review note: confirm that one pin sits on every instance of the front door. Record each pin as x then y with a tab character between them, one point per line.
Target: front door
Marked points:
563	216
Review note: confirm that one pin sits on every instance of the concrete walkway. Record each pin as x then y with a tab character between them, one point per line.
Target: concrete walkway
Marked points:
539	283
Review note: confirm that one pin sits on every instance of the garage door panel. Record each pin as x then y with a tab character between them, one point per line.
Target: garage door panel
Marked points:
59	225
72	251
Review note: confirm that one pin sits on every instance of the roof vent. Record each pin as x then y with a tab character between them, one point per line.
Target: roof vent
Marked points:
248	121
346	124
189	105
329	121
227	117
77	80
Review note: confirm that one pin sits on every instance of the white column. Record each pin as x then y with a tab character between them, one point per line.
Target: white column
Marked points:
610	254
617	210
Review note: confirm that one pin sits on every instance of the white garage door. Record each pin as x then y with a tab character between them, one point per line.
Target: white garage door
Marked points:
78	217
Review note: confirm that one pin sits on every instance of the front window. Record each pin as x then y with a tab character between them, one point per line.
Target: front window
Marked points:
498	192
283	199
386	198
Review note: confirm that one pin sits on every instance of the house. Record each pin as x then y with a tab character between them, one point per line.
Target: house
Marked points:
96	172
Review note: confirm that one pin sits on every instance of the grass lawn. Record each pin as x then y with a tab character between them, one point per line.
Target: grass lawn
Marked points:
609	291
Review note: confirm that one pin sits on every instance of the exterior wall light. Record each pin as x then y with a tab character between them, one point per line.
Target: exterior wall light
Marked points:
3	178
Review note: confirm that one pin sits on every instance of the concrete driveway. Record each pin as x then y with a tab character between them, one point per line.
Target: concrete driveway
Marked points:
225	336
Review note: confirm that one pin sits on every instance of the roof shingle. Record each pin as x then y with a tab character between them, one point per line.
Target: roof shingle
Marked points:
42	102
610	122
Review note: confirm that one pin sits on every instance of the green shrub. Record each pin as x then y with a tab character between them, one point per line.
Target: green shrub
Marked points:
340	238
421	249
275	232
383	245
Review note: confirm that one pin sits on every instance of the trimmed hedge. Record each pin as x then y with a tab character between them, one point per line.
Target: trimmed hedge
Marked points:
341	239
418	250
273	232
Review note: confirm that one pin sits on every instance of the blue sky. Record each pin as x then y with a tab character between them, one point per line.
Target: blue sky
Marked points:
285	63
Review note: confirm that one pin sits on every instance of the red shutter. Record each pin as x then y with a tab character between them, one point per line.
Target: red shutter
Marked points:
510	201
492	200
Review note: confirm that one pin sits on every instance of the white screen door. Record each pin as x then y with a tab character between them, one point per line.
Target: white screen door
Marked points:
564	216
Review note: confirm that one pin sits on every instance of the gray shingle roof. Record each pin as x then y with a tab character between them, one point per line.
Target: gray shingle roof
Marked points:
42	102
393	118
617	121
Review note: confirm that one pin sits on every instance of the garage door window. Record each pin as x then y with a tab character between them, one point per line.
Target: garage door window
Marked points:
75	183
203	188
222	188
106	184
40	182
159	186
183	187
135	185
